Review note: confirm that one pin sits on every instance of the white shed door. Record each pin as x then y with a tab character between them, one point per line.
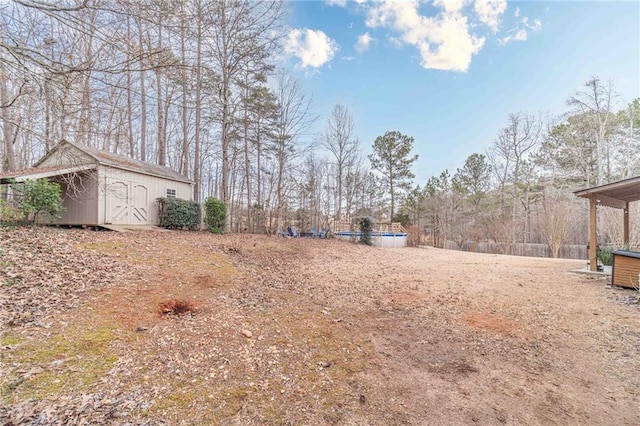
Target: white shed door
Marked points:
140	204
127	202
117	202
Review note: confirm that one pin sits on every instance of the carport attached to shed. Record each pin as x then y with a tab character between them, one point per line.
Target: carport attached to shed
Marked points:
103	188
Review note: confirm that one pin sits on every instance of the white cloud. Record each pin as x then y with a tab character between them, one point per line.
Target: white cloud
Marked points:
520	35
535	26
339	3
444	41
313	47
450	5
363	43
517	12
490	12
343	3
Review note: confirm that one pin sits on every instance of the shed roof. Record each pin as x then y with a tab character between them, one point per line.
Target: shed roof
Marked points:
615	194
110	159
42	172
98	156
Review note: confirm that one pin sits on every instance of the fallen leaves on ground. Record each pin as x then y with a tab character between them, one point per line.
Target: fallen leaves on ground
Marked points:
192	328
44	272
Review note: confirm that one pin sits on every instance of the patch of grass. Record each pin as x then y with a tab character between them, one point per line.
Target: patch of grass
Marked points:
231	403
182	405
104	246
9	339
72	343
181	397
73	361
10	282
220	276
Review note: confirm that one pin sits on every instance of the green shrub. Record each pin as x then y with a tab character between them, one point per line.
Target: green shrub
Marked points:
9	212
216	215
37	197
366	227
605	255
179	214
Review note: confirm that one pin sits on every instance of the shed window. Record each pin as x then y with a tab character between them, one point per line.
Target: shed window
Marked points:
171	193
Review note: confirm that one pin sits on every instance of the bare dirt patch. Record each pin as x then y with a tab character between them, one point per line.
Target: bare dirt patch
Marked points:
177	307
301	331
491	323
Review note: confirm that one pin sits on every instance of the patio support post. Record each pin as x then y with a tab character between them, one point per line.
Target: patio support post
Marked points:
593	227
625	231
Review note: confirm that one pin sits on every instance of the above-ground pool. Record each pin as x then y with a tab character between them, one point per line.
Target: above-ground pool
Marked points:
379	239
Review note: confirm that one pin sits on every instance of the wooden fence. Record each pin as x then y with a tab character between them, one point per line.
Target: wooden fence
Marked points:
520	249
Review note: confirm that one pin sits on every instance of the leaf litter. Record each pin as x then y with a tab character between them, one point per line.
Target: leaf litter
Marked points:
191	328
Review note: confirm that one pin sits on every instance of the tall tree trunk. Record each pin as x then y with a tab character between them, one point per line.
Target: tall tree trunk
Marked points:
225	86
258	172
85	111
247	166
161	130
143	96
9	162
197	174
84	124
185	124
129	116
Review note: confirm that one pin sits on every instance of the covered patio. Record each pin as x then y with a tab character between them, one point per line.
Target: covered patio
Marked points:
617	195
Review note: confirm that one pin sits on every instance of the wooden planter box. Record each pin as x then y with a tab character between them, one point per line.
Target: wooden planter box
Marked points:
626	269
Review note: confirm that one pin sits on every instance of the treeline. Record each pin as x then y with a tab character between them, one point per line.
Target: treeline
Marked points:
188	84
194	85
520	189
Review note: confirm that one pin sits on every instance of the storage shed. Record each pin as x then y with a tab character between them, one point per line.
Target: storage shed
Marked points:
626	269
100	188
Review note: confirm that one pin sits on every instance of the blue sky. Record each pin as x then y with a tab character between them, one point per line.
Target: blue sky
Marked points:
449	72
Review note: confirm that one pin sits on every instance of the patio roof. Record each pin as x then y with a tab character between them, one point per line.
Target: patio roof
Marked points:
616	194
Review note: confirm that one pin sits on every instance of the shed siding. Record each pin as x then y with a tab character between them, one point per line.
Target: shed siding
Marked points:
81	203
130	198
626	269
79	198
66	156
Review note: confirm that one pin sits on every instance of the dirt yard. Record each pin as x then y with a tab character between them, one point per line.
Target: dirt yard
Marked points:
173	328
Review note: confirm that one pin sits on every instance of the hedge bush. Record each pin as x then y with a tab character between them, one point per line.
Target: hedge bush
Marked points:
216	215
179	214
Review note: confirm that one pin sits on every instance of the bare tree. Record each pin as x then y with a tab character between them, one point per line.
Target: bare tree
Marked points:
292	122
197	161
242	36
595	101
557	223
508	155
340	139
7	113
